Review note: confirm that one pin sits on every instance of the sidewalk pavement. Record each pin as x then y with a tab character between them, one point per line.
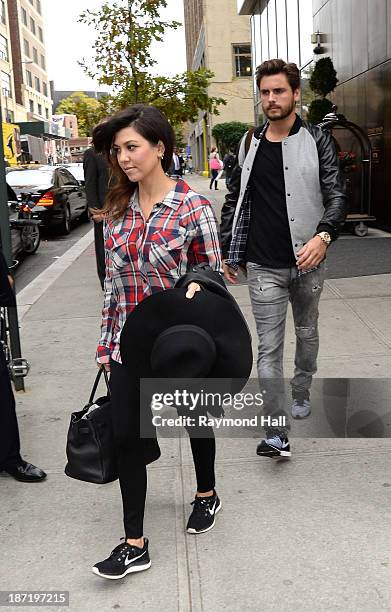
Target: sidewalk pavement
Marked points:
309	534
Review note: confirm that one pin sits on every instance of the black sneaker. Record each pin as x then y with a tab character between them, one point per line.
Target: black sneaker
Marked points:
124	559
203	516
274	447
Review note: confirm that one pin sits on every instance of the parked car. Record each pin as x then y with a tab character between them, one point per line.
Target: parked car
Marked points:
25	234
77	170
58	197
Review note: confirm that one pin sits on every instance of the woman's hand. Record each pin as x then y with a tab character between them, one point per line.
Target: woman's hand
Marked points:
192	290
105	365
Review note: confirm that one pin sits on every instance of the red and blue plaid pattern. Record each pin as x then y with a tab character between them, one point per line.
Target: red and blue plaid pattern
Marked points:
143	257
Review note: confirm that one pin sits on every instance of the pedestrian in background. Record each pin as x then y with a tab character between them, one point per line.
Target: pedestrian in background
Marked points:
96	176
10	458
215	166
154	229
190	164
228	165
286	205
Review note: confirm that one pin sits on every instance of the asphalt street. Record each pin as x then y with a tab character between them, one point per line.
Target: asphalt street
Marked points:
50	249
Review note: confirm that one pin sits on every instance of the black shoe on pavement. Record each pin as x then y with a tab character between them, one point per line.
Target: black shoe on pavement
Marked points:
124	559
274	447
204	511
26	472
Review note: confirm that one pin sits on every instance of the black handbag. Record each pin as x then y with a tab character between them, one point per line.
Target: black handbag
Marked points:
90	447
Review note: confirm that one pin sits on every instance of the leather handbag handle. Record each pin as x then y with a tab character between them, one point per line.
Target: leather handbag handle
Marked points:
96	383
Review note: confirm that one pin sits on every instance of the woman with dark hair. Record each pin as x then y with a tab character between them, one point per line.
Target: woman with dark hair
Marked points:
155	230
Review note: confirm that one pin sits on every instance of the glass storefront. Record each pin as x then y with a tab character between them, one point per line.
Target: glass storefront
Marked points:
283	28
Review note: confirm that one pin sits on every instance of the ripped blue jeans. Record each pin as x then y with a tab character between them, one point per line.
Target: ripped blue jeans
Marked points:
270	291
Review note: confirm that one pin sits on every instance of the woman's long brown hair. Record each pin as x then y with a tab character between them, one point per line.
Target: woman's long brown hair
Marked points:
152	125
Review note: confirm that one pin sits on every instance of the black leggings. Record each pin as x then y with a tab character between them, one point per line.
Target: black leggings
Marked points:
130	453
214	174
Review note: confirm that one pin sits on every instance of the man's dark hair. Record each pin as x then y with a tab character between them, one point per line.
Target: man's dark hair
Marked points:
278	66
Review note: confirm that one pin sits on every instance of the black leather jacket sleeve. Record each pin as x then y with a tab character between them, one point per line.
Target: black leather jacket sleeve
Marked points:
331	183
228	210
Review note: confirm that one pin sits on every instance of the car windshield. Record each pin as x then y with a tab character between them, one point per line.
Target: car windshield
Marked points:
30	178
76	170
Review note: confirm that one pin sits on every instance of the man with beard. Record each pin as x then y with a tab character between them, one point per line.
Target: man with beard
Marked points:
286	205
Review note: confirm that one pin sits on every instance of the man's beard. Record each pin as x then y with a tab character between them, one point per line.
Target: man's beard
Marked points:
283	115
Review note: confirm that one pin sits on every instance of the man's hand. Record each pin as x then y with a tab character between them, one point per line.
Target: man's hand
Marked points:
192	290
11	281
97	216
230	274
312	253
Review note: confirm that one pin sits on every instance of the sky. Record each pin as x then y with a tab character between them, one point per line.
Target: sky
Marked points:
68	41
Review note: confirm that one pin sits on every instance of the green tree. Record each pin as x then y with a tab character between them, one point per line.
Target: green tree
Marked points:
122	59
87	110
228	135
323	80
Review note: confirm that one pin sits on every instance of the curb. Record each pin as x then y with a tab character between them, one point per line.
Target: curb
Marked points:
34	290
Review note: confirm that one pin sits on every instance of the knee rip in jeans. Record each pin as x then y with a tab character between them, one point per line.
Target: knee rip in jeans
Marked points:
305	332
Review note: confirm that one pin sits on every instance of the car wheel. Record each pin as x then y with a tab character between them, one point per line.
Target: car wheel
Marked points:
65	225
31	238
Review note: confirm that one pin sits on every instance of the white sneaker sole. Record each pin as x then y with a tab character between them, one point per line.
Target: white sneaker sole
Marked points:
130	570
208	528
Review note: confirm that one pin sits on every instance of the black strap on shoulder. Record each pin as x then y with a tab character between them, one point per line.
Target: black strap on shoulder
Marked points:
249	136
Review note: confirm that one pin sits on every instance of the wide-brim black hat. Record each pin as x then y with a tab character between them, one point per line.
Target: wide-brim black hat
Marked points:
208	331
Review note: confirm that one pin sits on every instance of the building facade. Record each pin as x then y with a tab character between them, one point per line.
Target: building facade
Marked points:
7	93
67	121
219	39
356	35
29	75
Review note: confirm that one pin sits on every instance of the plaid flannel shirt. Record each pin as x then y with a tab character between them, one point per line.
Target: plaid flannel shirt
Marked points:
143	257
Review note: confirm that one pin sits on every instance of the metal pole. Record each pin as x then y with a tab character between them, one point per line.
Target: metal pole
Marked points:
5	239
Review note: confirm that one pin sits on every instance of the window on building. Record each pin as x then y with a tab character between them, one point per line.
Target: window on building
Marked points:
40	33
47	113
293	32
271	18
24	17
31	104
242	59
306	28
29	78
32	2
2	11
6	84
35	55
32	25
26	47
37	84
264	35
39	109
3	48
43	63
282	50
11	116
44	88
39	10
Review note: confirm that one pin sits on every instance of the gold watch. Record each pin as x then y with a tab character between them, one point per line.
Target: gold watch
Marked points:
325	237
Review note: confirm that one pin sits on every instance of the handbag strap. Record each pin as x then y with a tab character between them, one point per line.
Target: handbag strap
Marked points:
96	383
